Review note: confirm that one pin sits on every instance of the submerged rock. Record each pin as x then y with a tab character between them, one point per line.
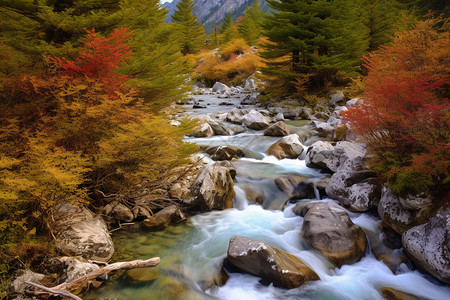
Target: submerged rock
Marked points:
162	219
278	129
428	245
286	147
224	152
142	274
393	294
213	189
269	263
328	229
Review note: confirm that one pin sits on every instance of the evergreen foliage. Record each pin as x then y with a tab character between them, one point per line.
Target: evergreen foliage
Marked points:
228	29
314	38
250	27
190	32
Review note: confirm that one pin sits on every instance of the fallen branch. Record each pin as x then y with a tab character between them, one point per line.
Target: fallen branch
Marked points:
52	291
65	288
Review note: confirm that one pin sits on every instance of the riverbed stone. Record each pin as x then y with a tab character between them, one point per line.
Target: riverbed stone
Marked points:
268	262
337	98
286	147
393	294
277	129
428	245
324	155
122	213
213	189
328	229
228	165
142	275
18	286
72	267
354	186
296	187
162	219
205	130
79	233
224	152
236	115
221	88
250	99
219	128
393	214
255	120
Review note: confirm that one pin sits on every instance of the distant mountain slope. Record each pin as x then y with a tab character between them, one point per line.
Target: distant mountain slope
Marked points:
213	11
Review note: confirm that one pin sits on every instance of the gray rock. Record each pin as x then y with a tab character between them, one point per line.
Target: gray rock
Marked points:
337	98
278	117
204	131
236	115
250	99
354	186
415	202
219	128
255	120
296	187
162	219
393	214
221	88
266	261
286	147
122	213
141	212
74	267
18	286
249	85
328	229
213	189
324	155
224	152
79	233
428	245
353	102
227	164
278	129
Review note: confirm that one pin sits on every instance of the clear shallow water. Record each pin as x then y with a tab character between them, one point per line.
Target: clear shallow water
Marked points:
192	253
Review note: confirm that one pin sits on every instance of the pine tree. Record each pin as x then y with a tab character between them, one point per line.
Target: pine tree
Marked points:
250	28
189	30
379	17
315	38
228	29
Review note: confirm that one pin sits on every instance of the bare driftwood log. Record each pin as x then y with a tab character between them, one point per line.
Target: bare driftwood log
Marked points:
65	288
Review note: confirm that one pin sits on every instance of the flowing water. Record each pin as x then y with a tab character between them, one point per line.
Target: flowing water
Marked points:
192	253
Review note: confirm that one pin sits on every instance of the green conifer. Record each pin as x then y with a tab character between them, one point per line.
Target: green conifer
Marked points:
315	38
190	32
250	28
227	29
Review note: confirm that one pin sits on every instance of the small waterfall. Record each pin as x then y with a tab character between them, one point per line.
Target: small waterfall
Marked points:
240	199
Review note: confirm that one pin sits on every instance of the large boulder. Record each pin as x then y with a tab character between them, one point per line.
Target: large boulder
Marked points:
219	128
428	245
224	152
71	268
162	219
295	186
328	229
220	88
255	120
250	99
393	213
79	233
278	129
236	115
286	147
213	189
354	186
205	130
337	98
268	262
324	155
393	294
122	213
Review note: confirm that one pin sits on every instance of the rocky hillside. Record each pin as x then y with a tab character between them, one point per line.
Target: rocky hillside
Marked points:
213	11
